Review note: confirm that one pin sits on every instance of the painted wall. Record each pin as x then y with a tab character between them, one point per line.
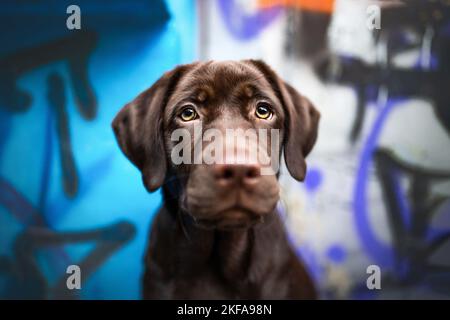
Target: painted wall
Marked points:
60	167
377	188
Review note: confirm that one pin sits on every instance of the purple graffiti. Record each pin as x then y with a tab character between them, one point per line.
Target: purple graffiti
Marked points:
313	180
337	254
380	252
242	25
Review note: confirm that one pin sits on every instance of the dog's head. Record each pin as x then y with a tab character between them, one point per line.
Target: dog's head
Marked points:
212	133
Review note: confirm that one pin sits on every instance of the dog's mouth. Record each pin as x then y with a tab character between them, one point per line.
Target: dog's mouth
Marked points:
236	217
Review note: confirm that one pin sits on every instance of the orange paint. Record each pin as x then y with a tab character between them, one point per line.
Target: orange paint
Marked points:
325	6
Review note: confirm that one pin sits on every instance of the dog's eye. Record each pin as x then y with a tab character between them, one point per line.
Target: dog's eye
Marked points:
188	114
263	111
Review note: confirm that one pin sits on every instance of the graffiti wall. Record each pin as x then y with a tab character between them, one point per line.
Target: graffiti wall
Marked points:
376	194
67	196
377	187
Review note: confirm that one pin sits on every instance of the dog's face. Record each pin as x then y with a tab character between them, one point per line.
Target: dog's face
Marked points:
228	122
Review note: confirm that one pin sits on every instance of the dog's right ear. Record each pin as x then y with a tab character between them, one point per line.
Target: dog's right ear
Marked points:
139	129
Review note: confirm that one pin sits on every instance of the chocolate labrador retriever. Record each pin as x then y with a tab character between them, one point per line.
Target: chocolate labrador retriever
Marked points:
218	234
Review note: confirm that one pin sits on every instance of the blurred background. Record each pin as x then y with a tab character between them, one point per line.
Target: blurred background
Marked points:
377	191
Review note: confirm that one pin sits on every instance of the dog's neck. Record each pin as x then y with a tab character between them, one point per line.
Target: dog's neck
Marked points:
229	251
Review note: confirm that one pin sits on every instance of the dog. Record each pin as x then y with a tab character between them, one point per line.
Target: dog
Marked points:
218	234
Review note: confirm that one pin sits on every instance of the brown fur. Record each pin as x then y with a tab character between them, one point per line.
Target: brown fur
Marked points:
218	238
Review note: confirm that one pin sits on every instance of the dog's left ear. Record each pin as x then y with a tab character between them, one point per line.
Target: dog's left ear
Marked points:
139	129
302	121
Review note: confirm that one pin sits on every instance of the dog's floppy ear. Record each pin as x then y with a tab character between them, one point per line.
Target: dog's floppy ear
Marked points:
302	121
139	129
302	125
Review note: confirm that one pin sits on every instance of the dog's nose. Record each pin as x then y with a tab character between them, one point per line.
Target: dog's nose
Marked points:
235	174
